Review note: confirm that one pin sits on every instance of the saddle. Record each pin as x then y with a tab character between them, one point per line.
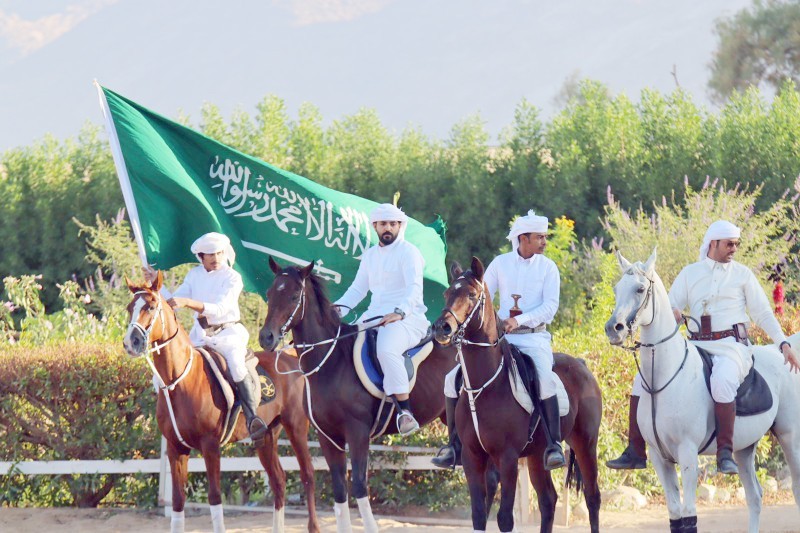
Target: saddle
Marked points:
753	396
222	379
365	360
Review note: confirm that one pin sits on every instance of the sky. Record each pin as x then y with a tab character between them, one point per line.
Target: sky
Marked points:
426	64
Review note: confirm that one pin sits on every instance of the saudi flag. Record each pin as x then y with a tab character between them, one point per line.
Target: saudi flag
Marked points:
179	184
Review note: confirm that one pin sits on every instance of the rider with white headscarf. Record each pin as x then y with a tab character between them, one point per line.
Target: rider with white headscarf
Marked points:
723	296
392	272
212	291
523	272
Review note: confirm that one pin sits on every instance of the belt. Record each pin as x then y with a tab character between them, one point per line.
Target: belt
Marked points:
213	329
525	329
717	335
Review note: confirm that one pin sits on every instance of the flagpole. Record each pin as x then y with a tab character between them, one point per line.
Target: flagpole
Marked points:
122	174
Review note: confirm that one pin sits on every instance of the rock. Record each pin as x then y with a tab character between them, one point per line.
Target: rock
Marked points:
580	512
770	484
740	494
723	495
706	492
624	499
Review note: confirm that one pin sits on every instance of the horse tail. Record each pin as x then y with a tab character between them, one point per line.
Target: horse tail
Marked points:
574	476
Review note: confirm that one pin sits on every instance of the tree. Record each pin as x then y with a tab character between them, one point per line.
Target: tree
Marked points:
759	46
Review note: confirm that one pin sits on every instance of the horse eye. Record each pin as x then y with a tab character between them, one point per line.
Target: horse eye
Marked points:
640	290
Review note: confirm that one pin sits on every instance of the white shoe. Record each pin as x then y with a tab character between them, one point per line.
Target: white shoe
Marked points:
406	423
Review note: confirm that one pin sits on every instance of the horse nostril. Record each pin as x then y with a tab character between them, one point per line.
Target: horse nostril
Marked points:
619	327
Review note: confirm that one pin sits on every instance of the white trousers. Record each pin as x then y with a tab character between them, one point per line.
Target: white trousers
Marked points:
726	374
231	342
393	340
534	345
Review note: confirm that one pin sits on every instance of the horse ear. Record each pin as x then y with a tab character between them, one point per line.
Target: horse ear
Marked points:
455	270
274	266
158	283
477	268
130	284
650	265
624	264
306	271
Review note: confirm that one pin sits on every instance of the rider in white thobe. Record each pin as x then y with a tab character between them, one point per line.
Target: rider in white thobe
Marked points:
392	272
212	291
525	272
726	295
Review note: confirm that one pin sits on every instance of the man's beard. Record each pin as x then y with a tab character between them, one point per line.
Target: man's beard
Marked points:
388	238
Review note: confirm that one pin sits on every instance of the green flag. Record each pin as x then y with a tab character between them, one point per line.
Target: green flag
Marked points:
179	184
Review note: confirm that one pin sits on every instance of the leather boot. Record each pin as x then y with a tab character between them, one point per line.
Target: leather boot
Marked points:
635	455
553	454
247	396
449	456
725	414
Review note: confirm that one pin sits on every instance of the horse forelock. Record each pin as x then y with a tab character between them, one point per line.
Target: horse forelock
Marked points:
319	292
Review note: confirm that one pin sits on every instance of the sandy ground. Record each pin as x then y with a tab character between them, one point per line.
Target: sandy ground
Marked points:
777	518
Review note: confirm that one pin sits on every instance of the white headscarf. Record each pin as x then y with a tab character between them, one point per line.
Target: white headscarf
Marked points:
721	229
532	223
390	212
211	243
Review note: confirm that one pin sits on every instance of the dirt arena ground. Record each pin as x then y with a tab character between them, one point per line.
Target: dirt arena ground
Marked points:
730	519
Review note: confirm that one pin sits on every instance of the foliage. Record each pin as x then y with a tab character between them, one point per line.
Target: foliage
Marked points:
758	46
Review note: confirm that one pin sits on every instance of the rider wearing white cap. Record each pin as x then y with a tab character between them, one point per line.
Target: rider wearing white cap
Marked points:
723	296
392	272
526	273
212	291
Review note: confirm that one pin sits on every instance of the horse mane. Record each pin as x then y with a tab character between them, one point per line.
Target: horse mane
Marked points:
330	318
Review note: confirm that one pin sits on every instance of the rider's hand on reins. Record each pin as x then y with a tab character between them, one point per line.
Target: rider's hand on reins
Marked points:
790	357
510	324
391	317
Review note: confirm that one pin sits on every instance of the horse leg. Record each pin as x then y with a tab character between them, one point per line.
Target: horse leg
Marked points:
211	456
790	442
297	431
672	492
475	472
687	459
178	465
268	455
337	464
586	457
745	459
546	493
492	481
359	457
509	471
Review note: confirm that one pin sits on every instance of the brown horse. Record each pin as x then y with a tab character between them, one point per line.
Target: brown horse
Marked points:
199	408
491	423
340	407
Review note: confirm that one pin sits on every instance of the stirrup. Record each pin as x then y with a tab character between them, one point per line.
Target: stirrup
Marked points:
258	429
408	428
554	457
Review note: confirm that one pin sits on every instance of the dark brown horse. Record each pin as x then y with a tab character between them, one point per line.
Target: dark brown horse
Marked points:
199	408
500	429
341	408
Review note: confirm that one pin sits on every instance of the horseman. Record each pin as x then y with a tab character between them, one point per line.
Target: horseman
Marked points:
212	291
534	279
725	295
392	272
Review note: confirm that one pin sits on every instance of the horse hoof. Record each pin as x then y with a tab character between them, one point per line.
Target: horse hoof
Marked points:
676	525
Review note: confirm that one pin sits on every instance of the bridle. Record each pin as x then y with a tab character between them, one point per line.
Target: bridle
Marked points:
162	386
459	340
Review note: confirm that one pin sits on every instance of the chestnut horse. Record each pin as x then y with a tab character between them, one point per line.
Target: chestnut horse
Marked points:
342	410
490	422
199	408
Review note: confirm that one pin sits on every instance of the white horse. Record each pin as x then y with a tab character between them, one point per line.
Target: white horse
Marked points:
676	416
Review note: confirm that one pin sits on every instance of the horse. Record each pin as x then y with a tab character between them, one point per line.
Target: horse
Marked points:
337	403
191	411
493	425
676	415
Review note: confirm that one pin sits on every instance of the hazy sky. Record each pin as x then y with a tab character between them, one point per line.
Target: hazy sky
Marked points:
424	63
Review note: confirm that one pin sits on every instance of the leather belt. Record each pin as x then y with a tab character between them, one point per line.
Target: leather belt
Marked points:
525	329
213	329
717	335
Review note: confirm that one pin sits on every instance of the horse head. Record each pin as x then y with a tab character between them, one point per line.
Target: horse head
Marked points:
146	316
634	298
465	298
287	303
